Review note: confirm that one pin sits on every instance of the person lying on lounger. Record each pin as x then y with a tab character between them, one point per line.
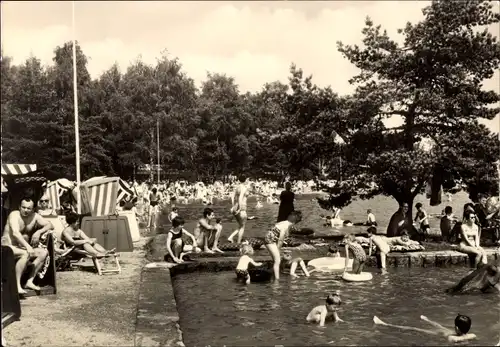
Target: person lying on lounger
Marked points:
72	235
459	334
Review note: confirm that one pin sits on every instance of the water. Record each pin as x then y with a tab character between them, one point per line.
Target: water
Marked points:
383	207
214	310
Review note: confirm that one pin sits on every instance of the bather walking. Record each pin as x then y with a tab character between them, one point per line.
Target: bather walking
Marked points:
239	209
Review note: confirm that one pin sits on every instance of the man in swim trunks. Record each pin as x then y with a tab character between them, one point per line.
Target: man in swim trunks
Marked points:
22	226
205	233
239	209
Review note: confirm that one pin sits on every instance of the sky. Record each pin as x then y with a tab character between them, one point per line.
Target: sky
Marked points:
254	42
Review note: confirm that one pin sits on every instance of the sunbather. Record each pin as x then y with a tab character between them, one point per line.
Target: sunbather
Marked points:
74	236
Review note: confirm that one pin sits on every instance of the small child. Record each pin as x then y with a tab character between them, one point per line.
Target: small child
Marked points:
320	313
174	213
242	268
333	251
358	253
293	262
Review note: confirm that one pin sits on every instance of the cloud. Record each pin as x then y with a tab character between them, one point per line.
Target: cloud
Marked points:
254	42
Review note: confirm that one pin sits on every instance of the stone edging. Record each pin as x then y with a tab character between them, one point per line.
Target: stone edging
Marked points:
157	321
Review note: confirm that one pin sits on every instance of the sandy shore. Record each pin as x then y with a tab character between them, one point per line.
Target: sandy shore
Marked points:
88	310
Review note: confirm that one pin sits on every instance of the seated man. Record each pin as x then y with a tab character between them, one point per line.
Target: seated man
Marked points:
24	225
72	235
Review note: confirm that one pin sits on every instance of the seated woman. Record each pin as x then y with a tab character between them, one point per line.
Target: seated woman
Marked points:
44	208
470	239
72	235
175	243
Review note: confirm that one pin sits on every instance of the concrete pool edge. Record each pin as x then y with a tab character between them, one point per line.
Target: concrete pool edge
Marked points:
157	322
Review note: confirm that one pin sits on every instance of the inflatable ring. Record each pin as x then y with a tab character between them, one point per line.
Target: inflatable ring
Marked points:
330	264
259	275
350	277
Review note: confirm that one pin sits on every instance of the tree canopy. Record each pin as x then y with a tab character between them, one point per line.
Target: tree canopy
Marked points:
432	81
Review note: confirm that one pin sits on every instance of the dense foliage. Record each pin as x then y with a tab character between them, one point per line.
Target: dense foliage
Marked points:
432	81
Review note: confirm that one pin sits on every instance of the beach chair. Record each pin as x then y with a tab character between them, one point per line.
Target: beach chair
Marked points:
72	256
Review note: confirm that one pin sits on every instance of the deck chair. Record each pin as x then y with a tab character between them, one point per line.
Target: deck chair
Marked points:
72	255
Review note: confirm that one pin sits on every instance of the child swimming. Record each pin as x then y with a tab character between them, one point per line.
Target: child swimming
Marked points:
461	333
242	268
320	313
293	263
358	253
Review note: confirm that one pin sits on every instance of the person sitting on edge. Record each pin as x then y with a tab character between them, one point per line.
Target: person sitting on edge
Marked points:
358	253
319	314
175	243
22	226
370	218
72	235
293	263
242	268
459	334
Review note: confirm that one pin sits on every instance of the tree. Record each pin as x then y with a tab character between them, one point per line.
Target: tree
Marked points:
433	82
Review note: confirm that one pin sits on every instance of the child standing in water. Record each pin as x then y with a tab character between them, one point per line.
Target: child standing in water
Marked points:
274	239
320	313
242	268
370	218
358	253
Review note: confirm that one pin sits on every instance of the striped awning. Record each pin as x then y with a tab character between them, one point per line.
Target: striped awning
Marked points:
17	169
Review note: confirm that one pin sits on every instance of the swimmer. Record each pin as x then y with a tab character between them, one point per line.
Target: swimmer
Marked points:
293	263
174	213
242	268
370	219
461	333
320	313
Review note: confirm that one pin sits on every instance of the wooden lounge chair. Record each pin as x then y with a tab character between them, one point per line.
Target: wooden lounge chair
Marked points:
71	256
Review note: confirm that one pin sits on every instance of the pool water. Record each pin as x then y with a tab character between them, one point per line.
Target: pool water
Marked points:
215	310
383	207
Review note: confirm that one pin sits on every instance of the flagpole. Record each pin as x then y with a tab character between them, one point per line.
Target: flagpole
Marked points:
158	148
75	101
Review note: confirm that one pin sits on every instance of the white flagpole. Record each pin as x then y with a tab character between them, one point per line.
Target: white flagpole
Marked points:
158	149
75	100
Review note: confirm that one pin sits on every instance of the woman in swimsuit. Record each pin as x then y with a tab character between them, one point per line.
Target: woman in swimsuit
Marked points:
175	243
274	239
239	209
470	239
74	236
